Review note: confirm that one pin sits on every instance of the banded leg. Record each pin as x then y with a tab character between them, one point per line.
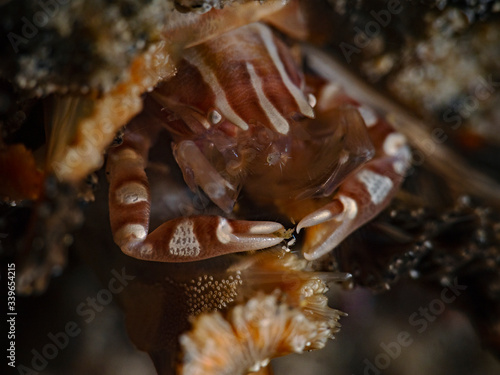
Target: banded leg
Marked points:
362	195
179	240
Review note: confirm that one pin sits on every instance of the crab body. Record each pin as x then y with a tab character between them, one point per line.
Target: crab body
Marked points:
243	115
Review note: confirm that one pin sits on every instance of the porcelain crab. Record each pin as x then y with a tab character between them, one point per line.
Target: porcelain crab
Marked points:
246	113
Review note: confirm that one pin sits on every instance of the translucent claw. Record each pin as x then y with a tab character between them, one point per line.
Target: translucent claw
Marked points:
199	172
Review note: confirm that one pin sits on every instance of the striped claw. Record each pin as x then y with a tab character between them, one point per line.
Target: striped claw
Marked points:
177	240
201	237
197	238
362	195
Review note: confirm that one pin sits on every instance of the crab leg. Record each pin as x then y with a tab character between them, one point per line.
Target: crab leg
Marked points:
363	195
256	81
179	240
190	159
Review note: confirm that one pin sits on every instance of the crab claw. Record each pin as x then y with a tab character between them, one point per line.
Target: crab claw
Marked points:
328	226
242	235
361	197
198	171
183	239
201	237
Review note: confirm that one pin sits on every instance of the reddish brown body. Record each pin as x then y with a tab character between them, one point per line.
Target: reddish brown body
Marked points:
243	115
